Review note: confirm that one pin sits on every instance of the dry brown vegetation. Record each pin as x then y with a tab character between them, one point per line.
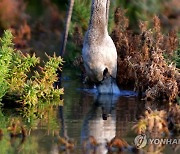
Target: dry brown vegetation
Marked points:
12	12
159	123
13	16
32	32
170	18
117	143
174	118
153	123
141	60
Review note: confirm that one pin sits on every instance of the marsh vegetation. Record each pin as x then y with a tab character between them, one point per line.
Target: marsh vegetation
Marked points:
42	113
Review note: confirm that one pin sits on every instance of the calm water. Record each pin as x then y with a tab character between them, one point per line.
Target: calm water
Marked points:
84	114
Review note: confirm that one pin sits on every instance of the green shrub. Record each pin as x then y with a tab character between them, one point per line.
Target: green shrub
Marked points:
140	10
40	86
81	14
6	52
16	77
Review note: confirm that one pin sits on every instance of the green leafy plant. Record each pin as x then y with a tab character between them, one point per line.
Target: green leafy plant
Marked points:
81	14
40	86
6	51
17	79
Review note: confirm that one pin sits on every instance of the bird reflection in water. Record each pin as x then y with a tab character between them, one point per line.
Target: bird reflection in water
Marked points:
99	125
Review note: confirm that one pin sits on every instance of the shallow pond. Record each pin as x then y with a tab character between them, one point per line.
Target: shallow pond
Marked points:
84	114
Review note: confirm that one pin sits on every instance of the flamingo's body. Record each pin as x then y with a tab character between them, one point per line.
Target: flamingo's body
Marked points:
99	52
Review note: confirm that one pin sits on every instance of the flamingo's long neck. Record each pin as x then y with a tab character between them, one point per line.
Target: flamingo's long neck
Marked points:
99	17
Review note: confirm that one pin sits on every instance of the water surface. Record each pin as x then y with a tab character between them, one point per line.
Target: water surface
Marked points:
84	114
